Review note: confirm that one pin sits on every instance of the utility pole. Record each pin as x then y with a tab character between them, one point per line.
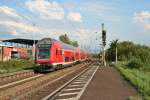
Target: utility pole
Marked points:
116	47
116	55
103	44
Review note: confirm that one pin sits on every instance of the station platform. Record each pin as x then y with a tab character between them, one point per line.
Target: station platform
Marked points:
108	84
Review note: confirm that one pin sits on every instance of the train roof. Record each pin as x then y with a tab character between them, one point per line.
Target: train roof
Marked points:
69	47
46	41
50	41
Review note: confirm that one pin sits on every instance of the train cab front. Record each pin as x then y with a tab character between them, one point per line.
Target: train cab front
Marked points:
43	58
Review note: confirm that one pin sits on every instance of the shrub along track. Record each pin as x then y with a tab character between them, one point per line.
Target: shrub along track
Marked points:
27	88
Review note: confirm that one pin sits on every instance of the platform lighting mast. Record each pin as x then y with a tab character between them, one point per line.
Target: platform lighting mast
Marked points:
103	44
34	45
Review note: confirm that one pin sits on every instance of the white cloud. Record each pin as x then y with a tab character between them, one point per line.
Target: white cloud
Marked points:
19	25
85	37
13	23
8	11
96	7
47	10
24	28
75	16
145	14
143	18
14	32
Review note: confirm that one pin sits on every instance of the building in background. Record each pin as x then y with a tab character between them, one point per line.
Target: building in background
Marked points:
16	49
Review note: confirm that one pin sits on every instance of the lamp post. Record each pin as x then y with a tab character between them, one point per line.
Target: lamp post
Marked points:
33	54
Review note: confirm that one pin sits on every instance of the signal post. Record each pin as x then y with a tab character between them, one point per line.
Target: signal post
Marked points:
103	44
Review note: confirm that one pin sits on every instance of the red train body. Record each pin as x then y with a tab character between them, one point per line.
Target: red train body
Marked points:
53	54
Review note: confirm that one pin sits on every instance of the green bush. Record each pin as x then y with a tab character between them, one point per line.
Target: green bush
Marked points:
135	63
128	50
15	65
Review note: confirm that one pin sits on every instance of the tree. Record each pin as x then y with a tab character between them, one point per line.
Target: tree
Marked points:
130	53
64	38
113	48
75	43
114	44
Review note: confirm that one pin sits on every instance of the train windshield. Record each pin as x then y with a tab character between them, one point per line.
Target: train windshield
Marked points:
44	51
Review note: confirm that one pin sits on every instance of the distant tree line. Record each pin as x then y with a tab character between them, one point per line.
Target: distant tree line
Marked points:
136	55
65	39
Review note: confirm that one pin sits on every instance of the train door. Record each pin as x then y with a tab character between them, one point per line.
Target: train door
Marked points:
63	56
59	55
67	56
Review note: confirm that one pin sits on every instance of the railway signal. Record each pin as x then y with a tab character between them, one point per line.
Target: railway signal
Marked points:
104	37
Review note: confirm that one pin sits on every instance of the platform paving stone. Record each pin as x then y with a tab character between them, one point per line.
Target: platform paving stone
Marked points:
108	84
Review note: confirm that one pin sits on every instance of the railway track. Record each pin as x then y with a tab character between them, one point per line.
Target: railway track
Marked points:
13	83
73	89
17	76
22	89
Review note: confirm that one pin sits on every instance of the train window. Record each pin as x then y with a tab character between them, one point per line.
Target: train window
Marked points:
43	52
73	58
66	59
56	52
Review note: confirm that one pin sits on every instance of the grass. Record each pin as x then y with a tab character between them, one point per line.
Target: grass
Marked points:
139	78
15	65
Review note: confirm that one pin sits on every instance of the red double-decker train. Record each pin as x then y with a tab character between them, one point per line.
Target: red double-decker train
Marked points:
52	55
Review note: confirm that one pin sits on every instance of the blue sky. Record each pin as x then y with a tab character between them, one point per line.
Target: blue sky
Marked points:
80	19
